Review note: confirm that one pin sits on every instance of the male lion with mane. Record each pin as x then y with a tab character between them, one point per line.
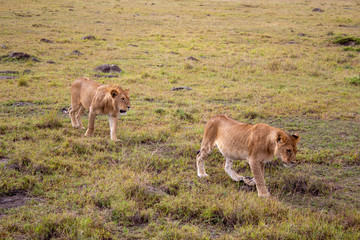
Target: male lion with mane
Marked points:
99	99
258	144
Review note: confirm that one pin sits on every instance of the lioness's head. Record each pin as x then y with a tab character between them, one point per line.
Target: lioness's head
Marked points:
286	148
121	100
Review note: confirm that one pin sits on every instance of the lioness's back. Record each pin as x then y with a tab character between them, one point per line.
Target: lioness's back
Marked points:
82	91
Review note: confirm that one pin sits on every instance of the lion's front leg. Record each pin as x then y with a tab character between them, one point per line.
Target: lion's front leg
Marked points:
113	123
257	169
91	125
228	169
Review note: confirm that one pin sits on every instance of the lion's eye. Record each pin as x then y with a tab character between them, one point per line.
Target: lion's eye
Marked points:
288	151
123	99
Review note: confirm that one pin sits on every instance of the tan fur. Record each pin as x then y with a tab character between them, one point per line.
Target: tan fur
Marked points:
109	100
257	144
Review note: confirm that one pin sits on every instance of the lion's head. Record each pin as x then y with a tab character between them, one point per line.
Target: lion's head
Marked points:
286	148
119	100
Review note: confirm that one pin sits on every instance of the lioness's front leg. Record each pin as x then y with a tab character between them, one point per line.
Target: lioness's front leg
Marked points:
257	169
236	177
113	123
228	169
91	124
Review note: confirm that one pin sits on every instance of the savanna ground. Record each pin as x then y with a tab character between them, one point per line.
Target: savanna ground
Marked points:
279	62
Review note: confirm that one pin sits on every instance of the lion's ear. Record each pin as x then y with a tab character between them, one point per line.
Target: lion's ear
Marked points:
114	93
296	137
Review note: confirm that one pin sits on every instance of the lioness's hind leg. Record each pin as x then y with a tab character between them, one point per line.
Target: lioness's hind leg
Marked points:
78	117
200	161
72	112
228	169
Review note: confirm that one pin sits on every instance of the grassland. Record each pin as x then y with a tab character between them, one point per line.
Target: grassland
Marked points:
277	62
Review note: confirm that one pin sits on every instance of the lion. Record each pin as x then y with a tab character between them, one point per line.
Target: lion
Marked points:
258	144
98	99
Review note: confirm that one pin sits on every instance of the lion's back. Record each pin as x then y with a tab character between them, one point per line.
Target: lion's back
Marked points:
83	91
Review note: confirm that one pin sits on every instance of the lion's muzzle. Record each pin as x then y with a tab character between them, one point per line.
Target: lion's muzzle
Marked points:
123	112
289	165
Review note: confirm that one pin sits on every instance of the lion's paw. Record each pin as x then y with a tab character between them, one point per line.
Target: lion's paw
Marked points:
265	194
249	181
87	134
203	175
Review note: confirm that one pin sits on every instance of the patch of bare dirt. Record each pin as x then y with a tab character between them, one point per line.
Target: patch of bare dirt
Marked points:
17	200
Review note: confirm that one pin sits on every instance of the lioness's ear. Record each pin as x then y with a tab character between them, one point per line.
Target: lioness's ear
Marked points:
114	93
296	137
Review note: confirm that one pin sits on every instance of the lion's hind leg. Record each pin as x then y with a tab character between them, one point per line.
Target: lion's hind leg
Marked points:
207	145
200	159
72	113
78	117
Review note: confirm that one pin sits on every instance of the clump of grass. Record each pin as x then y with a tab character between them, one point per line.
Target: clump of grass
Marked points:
23	82
145	75
355	80
251	113
160	111
67	226
188	66
143	195
127	213
50	120
300	183
353	49
183	115
186	231
346	41
274	66
77	148
102	202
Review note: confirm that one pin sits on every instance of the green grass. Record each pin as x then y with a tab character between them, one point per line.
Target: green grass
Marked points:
254	65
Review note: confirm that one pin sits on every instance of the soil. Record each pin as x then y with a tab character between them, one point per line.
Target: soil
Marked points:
14	201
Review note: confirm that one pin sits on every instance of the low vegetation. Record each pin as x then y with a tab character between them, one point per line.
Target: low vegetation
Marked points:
277	62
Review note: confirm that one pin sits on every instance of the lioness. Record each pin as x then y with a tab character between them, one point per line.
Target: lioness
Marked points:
257	144
99	100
